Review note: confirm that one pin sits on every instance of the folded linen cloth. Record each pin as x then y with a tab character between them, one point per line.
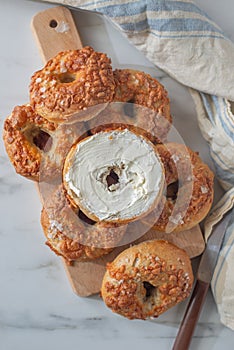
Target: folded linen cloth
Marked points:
182	40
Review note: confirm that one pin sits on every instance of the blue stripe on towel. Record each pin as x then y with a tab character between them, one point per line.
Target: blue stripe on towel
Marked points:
226	123
166	25
229	232
221	203
138	7
206	102
171	24
120	10
223	174
219	112
216	155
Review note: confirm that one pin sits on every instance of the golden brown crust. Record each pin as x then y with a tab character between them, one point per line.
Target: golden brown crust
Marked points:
145	106
31	140
72	238
147	279
71	81
66	247
25	135
141	89
195	188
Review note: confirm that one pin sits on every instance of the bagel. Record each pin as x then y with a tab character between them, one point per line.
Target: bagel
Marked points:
71	234
140	89
147	279
27	136
72	81
190	192
114	176
140	101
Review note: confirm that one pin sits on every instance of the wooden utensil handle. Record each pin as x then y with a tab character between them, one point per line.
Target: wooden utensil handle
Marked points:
191	316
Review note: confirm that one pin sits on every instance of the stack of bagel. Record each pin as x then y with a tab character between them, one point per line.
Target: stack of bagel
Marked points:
100	136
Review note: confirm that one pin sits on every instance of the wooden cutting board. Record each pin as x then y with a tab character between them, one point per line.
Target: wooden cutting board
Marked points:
55	31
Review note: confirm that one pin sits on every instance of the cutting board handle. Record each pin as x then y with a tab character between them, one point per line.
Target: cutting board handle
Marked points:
55	31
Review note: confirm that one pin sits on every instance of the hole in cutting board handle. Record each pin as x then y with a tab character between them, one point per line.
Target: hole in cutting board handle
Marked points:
53	23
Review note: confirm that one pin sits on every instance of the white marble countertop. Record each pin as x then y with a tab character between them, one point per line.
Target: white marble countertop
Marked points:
38	309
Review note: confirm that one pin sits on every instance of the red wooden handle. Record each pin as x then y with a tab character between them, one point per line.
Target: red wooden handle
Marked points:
191	316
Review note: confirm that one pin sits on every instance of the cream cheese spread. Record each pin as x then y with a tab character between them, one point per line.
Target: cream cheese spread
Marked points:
123	157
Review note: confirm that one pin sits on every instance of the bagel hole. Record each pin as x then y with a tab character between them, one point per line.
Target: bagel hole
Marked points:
172	190
85	218
53	23
129	109
112	178
149	289
66	78
42	140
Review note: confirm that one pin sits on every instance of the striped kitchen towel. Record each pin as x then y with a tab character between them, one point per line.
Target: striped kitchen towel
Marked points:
182	40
